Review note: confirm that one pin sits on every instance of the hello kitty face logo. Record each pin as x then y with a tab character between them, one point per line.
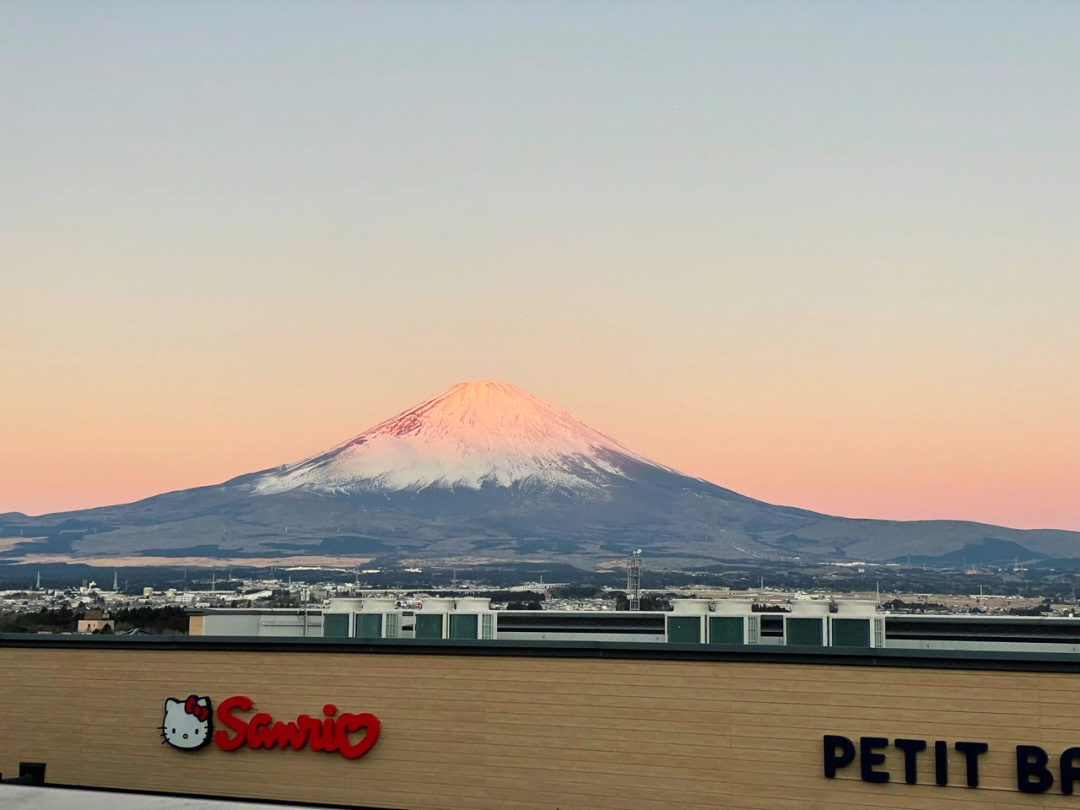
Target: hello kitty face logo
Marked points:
187	723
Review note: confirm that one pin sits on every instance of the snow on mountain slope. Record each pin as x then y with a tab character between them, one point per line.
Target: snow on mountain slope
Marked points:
471	434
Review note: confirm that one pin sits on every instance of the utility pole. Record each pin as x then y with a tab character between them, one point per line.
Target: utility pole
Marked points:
633	581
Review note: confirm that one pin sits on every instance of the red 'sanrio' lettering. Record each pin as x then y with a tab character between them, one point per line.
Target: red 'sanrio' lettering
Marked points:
256	737
224	715
313	729
288	735
348	723
329	741
320	735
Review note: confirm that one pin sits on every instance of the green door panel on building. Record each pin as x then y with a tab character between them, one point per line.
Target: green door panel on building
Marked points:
429	625
725	630
369	625
851	632
335	625
803	633
463	626
684	629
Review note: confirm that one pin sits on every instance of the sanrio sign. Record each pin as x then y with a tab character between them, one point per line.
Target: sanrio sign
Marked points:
187	725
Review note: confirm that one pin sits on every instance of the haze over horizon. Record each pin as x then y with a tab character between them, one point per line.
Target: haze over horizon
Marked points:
825	258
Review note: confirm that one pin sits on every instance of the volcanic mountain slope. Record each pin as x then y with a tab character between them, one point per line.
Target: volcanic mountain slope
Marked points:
486	472
472	435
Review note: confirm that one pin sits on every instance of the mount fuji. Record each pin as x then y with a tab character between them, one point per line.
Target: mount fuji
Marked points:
485	472
470	436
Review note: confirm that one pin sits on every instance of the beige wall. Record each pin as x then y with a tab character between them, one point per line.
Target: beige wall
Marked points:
529	732
92	625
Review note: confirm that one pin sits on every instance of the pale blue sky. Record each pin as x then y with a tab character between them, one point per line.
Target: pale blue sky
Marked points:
694	128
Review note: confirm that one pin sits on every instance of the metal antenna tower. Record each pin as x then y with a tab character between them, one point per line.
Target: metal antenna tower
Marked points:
633	580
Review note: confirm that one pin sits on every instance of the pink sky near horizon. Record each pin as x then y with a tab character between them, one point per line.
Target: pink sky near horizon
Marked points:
940	436
824	255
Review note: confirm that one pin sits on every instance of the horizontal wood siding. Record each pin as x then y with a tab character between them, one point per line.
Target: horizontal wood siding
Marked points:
505	732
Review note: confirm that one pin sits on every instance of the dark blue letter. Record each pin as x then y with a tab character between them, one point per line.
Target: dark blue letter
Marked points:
1069	769
971	750
941	762
910	749
1031	762
868	758
834	759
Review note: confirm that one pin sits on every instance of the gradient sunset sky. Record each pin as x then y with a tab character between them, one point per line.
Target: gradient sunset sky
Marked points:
823	254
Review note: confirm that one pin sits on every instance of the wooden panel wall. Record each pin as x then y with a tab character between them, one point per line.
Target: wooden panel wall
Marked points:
531	732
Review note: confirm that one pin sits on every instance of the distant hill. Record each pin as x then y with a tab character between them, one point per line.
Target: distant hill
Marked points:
990	551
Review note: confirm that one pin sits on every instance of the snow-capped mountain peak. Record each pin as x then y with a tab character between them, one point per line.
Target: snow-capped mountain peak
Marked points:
472	434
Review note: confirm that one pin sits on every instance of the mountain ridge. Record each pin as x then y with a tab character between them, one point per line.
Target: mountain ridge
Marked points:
484	471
